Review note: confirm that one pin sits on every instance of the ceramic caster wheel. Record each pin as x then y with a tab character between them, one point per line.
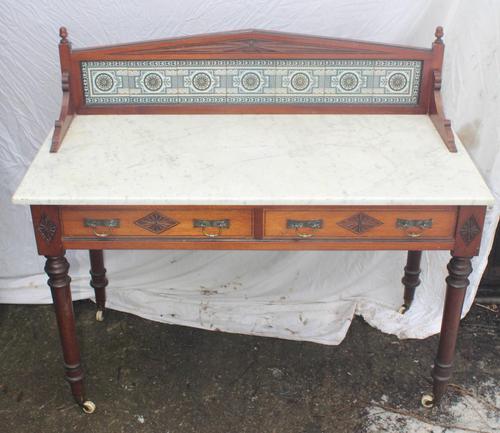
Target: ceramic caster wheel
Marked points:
403	309
99	315
88	406
427	401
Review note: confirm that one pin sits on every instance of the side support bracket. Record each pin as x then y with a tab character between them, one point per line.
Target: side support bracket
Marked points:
436	113
436	109
67	110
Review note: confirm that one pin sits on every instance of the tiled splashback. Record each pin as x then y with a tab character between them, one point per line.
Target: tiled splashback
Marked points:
252	82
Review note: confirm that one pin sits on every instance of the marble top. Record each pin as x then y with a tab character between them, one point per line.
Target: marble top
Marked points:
253	160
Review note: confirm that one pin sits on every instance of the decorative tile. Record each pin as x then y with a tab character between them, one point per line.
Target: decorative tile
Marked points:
105	82
299	81
255	81
152	82
201	81
349	79
250	81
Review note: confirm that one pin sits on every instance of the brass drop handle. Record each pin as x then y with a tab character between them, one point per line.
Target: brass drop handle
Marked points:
414	234
211	235
101	235
299	225
108	224
413	228
206	224
303	235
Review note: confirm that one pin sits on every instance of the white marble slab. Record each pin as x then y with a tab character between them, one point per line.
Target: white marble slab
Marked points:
253	160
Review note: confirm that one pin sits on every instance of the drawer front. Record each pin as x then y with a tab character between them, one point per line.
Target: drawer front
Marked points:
157	222
400	223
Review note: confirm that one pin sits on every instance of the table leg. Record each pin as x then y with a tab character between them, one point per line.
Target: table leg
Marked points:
411	278
459	269
98	281
56	268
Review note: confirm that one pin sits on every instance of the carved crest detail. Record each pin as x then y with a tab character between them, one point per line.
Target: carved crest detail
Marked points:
156	223
254	45
359	223
469	230
47	228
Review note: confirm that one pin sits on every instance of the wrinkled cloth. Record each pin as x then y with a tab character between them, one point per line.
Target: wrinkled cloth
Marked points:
298	295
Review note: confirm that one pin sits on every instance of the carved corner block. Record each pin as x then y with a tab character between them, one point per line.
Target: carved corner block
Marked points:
469	230
48	233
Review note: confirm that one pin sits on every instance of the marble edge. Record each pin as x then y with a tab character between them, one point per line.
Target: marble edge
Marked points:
490	200
403	201
44	147
16	198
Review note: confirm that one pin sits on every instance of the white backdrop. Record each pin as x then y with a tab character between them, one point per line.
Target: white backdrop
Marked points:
299	295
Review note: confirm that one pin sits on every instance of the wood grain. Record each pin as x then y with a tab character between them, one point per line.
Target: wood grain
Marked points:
459	269
166	243
259	228
443	222
56	268
241	225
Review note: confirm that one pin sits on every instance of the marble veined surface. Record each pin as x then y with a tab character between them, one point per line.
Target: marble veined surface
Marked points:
253	160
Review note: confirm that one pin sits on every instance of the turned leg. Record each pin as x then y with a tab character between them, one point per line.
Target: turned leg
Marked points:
98	281
410	279
459	269
56	268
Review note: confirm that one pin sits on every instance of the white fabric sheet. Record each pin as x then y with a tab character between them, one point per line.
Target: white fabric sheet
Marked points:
298	295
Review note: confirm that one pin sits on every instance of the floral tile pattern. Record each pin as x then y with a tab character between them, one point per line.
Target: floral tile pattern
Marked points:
252	82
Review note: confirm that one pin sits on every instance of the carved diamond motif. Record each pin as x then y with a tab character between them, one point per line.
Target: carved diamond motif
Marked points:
359	223
156	223
469	230
47	228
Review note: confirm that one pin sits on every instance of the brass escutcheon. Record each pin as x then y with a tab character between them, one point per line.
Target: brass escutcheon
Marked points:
298	225
218	224
413	228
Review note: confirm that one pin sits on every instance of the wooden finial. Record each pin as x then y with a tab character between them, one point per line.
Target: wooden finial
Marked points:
439	33
63	33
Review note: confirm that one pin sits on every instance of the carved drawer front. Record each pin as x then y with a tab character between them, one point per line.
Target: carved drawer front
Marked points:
205	223
374	223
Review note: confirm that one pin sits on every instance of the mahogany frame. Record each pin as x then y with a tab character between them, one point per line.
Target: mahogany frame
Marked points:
458	244
253	44
464	242
48	219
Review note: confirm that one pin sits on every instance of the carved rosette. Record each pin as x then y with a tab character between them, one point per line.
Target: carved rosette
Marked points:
156	223
359	223
469	230
47	228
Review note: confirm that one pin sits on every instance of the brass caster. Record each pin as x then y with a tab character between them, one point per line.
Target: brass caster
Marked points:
403	309
88	406
99	315
427	401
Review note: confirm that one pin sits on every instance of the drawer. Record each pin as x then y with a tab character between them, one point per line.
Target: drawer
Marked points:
371	223
157	222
